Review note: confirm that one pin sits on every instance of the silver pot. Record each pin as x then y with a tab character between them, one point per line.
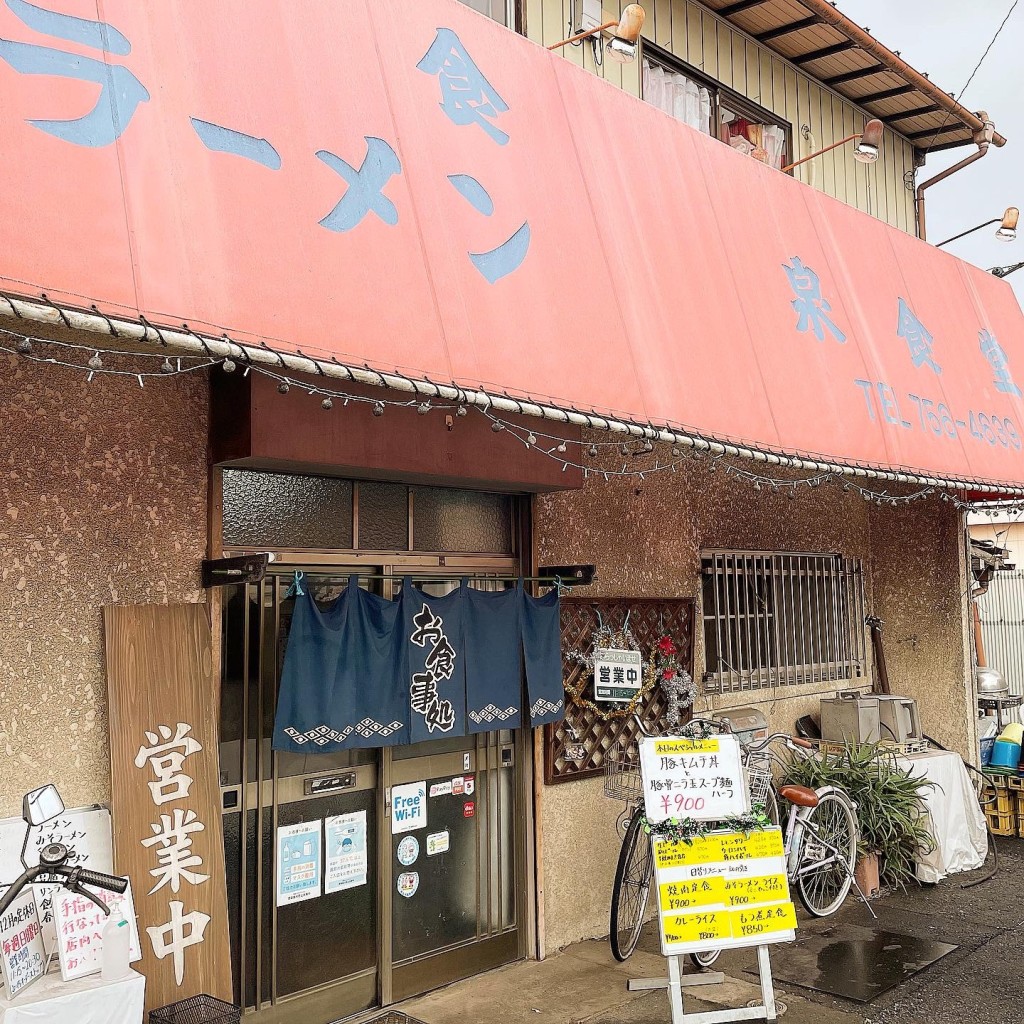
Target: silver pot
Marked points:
991	683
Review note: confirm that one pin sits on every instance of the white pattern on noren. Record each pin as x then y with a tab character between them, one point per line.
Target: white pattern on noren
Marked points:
322	734
545	707
491	712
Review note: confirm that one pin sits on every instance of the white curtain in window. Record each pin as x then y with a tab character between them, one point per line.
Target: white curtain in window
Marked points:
774	141
678	96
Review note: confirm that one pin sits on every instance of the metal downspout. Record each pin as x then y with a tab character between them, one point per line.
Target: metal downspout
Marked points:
982	139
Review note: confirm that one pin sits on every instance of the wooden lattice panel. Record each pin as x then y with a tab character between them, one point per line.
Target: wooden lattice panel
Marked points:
649	619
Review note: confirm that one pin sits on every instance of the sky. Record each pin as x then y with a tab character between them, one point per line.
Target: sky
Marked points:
945	39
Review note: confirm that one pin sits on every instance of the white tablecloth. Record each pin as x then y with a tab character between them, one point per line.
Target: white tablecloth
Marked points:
84	1001
957	822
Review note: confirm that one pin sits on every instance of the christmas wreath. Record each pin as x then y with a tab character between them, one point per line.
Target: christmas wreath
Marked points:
618	639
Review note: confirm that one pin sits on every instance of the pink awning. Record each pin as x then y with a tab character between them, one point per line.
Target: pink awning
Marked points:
413	187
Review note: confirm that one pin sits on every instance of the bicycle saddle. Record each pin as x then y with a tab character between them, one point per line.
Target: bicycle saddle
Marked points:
800	795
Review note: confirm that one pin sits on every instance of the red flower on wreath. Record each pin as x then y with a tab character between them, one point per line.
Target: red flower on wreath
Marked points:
668	675
667	647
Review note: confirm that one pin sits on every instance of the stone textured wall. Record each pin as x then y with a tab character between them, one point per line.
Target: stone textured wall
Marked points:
646	539
102	500
919	567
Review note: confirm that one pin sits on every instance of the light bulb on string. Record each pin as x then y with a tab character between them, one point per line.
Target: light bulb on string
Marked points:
592	451
378	408
327	404
95	363
562	448
283	388
531	438
24	347
497	427
166	366
228	366
423	408
461	411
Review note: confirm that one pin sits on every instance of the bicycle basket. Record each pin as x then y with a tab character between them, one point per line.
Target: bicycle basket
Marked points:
759	779
622	779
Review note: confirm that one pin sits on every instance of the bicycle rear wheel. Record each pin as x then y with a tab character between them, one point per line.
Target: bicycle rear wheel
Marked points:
705	958
631	888
828	840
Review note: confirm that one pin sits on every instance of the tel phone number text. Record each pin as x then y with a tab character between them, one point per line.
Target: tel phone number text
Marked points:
935	417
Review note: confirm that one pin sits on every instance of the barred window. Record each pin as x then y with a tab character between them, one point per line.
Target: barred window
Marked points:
779	619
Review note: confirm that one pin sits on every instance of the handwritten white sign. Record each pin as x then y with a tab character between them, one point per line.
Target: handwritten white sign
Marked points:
85	831
21	944
698	779
79	923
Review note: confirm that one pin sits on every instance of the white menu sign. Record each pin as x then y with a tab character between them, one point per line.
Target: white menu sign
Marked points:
698	779
21	944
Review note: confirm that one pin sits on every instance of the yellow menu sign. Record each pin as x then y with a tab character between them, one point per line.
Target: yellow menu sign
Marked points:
724	889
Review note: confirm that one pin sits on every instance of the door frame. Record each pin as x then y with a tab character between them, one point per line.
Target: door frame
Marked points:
500	949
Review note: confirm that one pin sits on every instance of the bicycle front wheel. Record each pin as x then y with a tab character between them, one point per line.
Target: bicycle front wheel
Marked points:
828	854
631	888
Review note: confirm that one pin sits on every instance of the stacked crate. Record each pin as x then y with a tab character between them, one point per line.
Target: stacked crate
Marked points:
1003	802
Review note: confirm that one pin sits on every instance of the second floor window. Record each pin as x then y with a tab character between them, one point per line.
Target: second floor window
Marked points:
497	10
714	110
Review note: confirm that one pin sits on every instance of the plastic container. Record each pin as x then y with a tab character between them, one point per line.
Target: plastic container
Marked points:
1013	733
986	749
1005	755
115	952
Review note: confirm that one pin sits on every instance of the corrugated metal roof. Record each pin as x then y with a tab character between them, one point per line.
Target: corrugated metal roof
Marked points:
835	54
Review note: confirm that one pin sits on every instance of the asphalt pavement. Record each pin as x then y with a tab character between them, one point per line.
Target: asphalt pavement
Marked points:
980	980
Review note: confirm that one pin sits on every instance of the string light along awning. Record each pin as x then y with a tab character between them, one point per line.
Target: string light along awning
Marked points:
452	211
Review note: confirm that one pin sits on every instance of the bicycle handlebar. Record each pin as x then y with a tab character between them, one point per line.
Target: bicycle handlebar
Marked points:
78	876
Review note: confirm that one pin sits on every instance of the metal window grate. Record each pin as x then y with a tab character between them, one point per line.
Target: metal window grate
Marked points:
781	619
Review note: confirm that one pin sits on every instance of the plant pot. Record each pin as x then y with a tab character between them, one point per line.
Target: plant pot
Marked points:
866	874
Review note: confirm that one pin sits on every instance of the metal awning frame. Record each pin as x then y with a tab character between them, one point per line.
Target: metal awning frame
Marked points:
185	341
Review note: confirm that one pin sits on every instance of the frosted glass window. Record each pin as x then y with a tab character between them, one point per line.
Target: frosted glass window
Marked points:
279	510
383	517
449	520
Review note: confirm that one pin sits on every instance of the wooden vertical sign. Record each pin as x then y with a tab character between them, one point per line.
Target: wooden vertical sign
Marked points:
164	767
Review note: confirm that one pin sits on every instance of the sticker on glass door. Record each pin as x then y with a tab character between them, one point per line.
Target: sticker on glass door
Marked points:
408	883
408	807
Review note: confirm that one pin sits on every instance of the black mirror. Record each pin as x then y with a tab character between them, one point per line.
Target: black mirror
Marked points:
41	805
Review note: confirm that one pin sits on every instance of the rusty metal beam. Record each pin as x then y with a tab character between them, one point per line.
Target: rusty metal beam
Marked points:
825	51
903	115
739	7
888	94
785	30
852	76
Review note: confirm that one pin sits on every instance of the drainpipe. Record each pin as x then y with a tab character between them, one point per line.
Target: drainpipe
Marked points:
982	139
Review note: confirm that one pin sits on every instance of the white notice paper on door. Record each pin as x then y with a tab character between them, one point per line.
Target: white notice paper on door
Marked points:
346	851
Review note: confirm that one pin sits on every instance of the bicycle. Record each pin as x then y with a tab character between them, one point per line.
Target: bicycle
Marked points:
819	838
40	806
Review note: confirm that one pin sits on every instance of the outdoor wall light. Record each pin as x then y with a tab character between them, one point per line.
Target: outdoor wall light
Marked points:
1006	232
866	151
625	32
870	142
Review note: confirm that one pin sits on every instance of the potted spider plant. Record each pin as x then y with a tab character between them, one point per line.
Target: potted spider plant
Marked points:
891	815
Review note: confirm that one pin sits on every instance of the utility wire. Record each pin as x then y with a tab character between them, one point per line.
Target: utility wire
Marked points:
960	95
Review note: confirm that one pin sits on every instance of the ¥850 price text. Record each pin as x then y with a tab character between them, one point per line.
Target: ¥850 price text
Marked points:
935	417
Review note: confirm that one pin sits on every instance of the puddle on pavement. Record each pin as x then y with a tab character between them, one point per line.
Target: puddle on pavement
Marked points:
858	969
